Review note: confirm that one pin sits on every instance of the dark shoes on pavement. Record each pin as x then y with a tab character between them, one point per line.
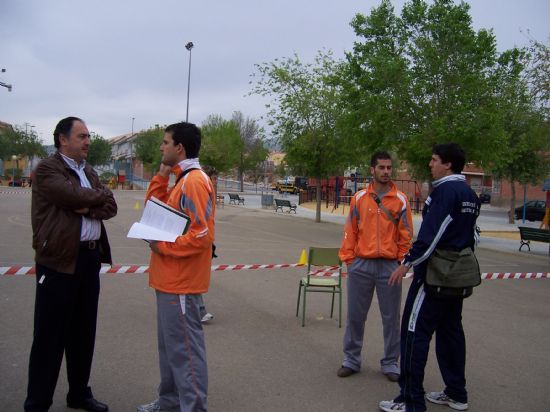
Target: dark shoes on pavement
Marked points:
90	405
392	376
344	372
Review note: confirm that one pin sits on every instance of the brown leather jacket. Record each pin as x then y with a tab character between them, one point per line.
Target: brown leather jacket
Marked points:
56	194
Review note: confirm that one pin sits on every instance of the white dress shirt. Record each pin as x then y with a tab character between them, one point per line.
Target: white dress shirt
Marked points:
90	228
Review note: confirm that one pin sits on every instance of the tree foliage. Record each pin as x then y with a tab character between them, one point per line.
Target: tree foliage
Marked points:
221	143
99	152
423	78
306	113
16	141
147	144
253	151
537	61
376	83
526	133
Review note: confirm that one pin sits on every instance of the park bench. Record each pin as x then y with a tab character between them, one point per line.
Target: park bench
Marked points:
531	233
280	203
235	199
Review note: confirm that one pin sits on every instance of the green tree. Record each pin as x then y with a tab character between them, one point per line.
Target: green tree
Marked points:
221	143
376	83
525	159
253	151
147	144
537	61
306	112
99	152
424	78
451	90
16	141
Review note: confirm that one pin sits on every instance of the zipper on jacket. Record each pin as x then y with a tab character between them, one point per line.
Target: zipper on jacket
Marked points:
378	230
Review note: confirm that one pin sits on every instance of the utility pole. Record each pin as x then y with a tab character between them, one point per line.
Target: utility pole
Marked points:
188	46
132	155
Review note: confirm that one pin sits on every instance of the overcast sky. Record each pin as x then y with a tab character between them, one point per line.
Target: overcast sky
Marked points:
108	61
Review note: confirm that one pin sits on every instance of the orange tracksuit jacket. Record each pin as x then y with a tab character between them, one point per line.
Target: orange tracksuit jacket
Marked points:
369	233
183	267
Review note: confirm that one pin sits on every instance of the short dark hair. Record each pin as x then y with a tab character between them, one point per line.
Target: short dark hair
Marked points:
451	153
64	127
188	135
379	155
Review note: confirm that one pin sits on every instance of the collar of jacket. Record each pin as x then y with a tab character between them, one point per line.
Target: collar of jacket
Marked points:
391	192
449	178
58	156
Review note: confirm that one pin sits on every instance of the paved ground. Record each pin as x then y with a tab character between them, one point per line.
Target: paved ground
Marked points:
260	358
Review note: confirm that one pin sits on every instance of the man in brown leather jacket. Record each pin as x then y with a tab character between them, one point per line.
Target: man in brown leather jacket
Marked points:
68	206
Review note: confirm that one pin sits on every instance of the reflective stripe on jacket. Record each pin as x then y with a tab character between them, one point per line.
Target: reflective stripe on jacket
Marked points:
369	233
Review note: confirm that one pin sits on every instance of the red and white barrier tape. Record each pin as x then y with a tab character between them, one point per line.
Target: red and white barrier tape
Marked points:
123	269
129	269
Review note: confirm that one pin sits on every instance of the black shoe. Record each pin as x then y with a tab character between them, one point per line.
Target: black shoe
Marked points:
344	372
392	376
90	405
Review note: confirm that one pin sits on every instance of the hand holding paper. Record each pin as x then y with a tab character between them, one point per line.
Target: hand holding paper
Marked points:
160	222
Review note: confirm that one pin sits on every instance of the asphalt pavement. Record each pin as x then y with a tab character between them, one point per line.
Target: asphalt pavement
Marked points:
259	356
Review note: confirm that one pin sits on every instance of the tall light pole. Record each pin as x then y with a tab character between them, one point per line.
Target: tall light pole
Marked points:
132	154
188	46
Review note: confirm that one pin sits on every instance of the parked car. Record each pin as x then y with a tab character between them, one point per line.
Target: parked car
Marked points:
534	210
485	197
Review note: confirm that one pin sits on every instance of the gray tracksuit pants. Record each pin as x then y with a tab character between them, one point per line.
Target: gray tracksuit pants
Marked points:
364	276
182	353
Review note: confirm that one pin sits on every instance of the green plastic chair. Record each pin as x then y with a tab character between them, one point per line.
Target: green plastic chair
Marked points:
321	256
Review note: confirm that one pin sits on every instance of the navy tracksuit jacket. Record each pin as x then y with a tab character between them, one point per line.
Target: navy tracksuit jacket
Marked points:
449	222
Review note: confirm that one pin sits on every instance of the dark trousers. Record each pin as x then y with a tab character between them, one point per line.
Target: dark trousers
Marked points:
422	316
65	315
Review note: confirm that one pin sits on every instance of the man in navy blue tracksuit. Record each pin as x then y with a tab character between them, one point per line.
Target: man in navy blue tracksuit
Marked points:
449	222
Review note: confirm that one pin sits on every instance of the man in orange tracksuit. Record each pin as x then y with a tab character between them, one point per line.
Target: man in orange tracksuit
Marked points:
180	273
377	236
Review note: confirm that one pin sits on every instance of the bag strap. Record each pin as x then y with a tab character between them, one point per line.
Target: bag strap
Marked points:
384	209
184	173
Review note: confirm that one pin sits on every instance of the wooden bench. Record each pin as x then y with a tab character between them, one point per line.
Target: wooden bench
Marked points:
220	200
280	203
235	199
531	233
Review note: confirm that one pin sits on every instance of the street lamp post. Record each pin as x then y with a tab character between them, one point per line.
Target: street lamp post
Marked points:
132	155
7	86
188	46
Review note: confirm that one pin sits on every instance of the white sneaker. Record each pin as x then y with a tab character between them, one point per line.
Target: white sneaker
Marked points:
150	407
206	318
441	398
391	406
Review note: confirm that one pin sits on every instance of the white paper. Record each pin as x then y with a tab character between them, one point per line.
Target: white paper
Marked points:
159	222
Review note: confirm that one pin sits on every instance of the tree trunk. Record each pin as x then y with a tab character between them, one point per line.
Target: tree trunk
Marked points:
511	212
318	200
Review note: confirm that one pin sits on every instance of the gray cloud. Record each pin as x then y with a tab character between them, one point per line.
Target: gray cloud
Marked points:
109	61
